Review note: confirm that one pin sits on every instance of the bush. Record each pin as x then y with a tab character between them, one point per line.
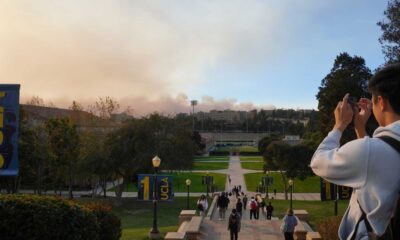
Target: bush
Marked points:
328	228
110	225
37	217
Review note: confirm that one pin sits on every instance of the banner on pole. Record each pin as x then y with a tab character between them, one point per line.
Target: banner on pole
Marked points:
9	121
146	187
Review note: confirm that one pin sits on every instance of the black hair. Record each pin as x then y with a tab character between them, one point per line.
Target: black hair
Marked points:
386	83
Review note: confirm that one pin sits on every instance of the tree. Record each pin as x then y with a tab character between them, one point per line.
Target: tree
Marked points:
132	147
290	161
390	39
348	75
64	145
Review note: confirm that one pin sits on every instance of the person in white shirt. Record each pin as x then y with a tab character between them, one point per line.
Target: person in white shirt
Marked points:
368	165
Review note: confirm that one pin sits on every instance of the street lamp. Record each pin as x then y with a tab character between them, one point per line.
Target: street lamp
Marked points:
193	103
207	181
260	187
188	182
291	192
267	183
154	233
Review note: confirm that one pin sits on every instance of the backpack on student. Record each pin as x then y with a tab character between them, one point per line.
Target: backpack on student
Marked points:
392	230
253	205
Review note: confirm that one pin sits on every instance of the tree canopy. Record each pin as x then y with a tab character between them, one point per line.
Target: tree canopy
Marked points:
348	75
390	27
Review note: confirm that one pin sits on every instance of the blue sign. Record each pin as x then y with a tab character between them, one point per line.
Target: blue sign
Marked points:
328	191
9	120
146	187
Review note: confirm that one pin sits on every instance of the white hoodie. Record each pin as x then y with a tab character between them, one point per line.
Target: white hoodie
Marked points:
372	168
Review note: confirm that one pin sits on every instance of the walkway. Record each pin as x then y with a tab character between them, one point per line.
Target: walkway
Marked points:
250	229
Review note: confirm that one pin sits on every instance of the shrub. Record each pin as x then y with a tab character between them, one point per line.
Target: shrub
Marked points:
110	224
328	228
36	217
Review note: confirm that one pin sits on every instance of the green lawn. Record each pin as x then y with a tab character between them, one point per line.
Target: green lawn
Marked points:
211	158
251	158
137	216
210	165
317	210
179	180
248	149
310	184
253	165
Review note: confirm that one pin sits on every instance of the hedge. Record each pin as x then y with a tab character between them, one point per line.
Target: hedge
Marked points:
110	224
40	217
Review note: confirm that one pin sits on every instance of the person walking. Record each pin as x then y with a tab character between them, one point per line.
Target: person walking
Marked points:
234	225
253	208
245	202
369	165
222	205
202	205
239	207
289	222
270	209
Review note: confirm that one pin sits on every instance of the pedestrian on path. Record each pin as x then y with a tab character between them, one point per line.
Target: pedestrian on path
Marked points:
289	222
202	205
222	205
270	209
229	177
234	225
275	192
253	208
239	207
245	202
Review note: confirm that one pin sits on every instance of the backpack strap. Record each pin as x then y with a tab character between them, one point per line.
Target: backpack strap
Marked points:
395	144
392	142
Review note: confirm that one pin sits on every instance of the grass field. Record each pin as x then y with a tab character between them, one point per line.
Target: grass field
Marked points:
310	184
180	178
317	210
211	158
136	216
251	158
253	165
210	165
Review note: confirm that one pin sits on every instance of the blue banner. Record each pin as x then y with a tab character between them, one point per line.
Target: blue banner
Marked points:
146	187
9	121
328	191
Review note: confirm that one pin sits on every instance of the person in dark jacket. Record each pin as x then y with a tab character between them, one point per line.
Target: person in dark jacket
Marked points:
270	209
234	224
239	207
222	205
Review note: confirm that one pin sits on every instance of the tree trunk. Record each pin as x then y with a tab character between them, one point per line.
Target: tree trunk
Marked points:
70	195
284	184
118	192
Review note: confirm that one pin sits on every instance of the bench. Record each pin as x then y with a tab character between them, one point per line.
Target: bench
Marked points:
300	231
186	215
301	214
175	236
313	236
191	228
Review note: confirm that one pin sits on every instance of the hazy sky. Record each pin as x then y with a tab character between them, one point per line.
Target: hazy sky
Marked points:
158	55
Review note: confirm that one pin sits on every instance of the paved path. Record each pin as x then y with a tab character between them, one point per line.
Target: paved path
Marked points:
250	229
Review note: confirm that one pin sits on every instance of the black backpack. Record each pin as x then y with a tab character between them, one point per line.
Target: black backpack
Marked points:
392	231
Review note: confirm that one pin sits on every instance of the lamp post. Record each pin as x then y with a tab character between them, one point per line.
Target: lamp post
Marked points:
267	183
188	182
154	233
193	103
207	181
291	192
260	187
